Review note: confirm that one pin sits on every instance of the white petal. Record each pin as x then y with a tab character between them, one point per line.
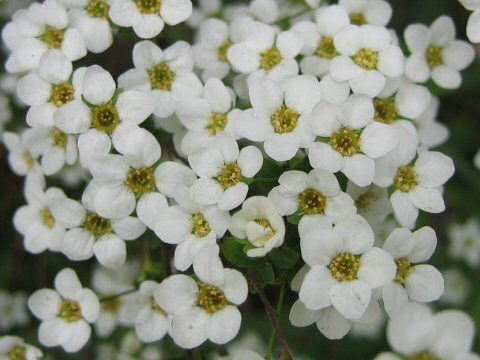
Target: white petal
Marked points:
417	37
149	26
333	325
175	11
235	287
233	196
224	325
148	208
360	169
424	284
67	283
433	169
378	139
115	202
134	106
73	118
176	294
357	111
250	161
405	212
128	228
376	268
98	85
446	77
425	242
429	200
314	292
189	330
454	333
301	316
44	303
351	298
282	147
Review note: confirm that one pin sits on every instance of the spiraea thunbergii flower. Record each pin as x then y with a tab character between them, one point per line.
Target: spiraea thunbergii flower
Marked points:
14	347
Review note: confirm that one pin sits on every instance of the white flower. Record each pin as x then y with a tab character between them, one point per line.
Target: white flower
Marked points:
464	242
374	12
90	17
431	132
280	117
436	53
65	312
35	221
203	310
318	46
13	347
167	75
204	10
351	138
457	287
221	170
206	115
263	52
367	56
372	202
90	234
473	25
13	310
148	17
417	333
344	267
191	226
416	186
418	282
259	222
37	29
316	194
21	159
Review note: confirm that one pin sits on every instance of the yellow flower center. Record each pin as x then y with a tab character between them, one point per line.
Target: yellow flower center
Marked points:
53	37
269	232
405	179
365	200
270	58
17	352
211	298
112	306
27	157
423	356
141	180
366	59
357	19
434	56
105	118
46	218
230	175
61	93
60	139
404	269
216	122
222	50
98	9
344	266
385	110
284	120
200	225
70	311
312	202
345	141
97	225
161	77
326	48
149	6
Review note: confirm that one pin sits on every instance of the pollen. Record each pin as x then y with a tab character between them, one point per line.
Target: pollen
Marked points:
46	218
97	225
62	93
357	19
366	59
70	311
434	56
161	77
326	48
270	58
53	37
345	141
404	269
222	50
345	266
141	180
216	122
230	175
112	306
105	118
284	120
98	9
60	139
422	356
200	225
365	200
149	6
405	179
17	352
211	298
385	110
312	202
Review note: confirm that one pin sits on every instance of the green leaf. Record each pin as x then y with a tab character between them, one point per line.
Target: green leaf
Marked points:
294	219
266	274
283	258
232	249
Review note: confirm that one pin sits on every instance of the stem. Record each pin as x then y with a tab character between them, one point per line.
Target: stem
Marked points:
272	314
126	292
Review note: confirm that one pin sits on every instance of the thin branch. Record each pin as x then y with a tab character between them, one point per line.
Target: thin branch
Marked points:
123	293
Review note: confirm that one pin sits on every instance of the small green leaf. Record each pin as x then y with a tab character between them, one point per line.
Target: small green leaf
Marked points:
232	249
283	258
294	219
266	274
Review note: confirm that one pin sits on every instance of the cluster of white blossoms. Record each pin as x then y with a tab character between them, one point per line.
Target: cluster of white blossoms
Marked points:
265	149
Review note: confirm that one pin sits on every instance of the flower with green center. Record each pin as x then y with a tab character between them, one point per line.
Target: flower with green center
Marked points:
222	50
404	269
312	202
112	306
284	120
217	122
149	6
62	93
365	200
366	59
47	218
345	141
345	266
53	37
357	19
405	179
60	139
105	117
211	298
200	225
98	9
270	58
326	48
161	77
230	175
97	225
385	110
141	180
434	56
70	311
17	352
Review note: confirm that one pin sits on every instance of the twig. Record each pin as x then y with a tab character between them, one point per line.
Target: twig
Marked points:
126	292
